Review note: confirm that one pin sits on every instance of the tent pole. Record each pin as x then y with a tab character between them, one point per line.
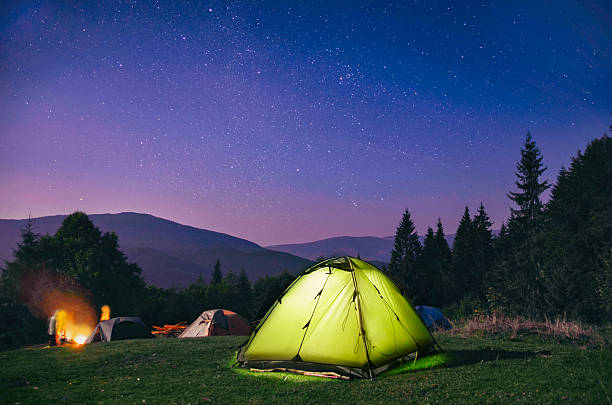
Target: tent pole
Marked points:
313	312
363	338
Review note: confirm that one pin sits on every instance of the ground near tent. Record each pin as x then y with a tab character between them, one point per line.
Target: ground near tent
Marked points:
198	371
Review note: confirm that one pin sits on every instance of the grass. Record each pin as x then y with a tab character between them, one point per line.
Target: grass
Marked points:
559	329
526	369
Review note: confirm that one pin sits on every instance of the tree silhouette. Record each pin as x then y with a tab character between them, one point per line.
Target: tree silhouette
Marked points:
404	256
529	170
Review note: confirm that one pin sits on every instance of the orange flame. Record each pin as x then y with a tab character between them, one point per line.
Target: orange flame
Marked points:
105	313
74	317
69	328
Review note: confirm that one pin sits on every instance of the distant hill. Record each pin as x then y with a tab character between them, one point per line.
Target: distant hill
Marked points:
372	248
170	254
367	247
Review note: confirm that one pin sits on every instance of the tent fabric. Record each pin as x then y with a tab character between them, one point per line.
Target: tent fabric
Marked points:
118	329
217	322
433	317
342	315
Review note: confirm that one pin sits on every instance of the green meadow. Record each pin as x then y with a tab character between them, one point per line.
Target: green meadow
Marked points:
471	370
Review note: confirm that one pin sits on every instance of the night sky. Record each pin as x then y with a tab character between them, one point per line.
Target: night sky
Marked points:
286	121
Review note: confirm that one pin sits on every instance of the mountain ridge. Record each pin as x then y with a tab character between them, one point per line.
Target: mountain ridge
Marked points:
170	254
371	248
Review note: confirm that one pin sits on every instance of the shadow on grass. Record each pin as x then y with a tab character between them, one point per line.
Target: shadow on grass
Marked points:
460	358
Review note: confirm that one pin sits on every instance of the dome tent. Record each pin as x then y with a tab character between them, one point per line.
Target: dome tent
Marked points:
217	322
342	316
124	327
433	317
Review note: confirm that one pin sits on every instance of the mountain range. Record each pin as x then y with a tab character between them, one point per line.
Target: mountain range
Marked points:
170	254
174	255
371	248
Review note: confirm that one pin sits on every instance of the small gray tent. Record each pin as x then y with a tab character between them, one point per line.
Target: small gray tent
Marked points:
217	322
118	329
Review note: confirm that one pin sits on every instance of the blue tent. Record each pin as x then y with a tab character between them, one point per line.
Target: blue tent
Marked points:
433	317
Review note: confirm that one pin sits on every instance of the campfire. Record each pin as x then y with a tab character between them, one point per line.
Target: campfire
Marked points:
70	327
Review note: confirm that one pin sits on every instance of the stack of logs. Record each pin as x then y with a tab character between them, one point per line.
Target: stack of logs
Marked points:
169	330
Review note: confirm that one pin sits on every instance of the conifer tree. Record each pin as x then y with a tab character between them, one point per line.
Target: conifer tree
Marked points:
27	256
217	276
245	295
434	264
529	170
404	256
577	237
464	280
433	261
27	250
443	262
228	295
427	278
195	296
516	274
483	244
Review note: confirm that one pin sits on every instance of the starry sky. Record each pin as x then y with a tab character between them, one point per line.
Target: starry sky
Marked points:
283	121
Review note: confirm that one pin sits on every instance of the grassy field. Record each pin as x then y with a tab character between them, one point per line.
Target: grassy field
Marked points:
198	371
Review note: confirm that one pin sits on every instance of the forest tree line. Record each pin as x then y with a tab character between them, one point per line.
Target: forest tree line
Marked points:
552	259
547	260
81	260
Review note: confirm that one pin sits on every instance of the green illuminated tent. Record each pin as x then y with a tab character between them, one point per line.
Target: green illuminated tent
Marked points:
341	316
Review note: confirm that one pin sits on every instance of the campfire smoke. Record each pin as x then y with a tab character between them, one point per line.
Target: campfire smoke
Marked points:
48	294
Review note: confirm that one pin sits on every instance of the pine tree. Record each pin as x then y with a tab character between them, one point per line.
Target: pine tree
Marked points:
577	237
217	274
27	250
433	262
27	256
427	278
443	262
404	256
483	245
245	295
228	296
529	170
195	296
517	270
464	280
